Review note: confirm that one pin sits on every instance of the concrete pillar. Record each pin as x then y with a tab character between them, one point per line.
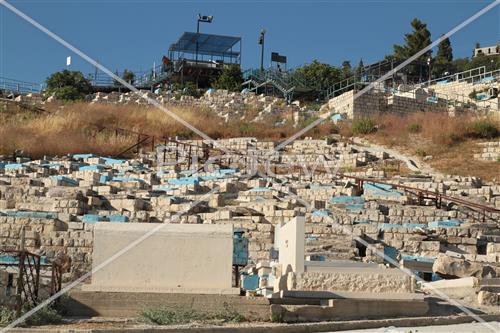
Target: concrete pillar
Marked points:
291	245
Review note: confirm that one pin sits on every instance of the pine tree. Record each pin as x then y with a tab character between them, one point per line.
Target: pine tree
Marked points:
415	41
346	68
359	69
443	61
445	51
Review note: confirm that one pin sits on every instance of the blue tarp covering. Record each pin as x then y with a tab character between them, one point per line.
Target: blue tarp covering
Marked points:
345	199
184	181
380	189
445	224
11	260
317	257
94	218
13	166
418	258
117	218
225	171
36	215
321	213
128	179
48	165
104	179
488	79
336	117
109	161
259	189
93	167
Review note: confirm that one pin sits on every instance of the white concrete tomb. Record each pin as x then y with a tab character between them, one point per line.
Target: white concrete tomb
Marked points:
174	258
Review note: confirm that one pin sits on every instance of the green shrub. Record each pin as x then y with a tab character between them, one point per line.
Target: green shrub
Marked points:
68	86
414	128
420	153
472	94
163	315
245	128
230	79
45	316
6	316
483	129
364	126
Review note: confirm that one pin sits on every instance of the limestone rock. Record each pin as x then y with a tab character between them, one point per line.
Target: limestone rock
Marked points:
457	268
487	298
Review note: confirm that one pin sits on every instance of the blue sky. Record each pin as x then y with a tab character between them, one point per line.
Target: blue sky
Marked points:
133	34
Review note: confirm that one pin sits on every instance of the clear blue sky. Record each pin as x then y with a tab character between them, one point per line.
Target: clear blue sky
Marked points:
133	34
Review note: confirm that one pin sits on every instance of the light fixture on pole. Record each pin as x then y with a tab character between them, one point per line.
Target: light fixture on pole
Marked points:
204	19
429	69
261	42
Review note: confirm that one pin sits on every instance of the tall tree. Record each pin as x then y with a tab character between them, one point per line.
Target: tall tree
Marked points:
360	69
415	41
443	61
346	68
445	51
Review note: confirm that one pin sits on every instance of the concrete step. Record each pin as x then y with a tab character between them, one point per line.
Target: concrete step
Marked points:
130	304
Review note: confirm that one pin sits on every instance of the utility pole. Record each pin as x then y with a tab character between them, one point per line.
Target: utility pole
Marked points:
429	69
261	42
201	18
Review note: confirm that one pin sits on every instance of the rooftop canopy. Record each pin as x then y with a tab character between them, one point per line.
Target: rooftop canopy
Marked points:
213	45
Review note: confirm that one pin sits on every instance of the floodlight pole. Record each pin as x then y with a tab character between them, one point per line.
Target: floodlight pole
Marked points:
261	42
206	19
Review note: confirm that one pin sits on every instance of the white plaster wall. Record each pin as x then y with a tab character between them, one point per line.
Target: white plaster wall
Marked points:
183	258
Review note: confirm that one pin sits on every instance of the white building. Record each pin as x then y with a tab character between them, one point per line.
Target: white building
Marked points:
488	50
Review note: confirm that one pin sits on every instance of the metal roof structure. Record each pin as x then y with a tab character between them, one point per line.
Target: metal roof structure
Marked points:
207	44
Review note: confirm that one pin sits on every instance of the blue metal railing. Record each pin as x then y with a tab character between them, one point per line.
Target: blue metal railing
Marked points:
18	86
141	78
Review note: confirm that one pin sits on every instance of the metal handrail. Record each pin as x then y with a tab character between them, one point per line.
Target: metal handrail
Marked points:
18	86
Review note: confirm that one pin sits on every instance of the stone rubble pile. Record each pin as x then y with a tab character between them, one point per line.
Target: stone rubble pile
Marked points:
227	105
490	151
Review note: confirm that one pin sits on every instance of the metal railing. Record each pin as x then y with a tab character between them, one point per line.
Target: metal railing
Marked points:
21	87
473	75
142	79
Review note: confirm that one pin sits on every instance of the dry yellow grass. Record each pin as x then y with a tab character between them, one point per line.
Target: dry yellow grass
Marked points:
451	142
74	128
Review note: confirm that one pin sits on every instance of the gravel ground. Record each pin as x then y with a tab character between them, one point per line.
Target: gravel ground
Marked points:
460	328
